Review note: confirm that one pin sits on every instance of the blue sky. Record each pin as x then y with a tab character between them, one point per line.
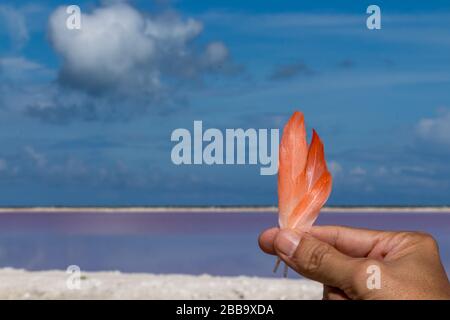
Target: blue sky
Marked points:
87	120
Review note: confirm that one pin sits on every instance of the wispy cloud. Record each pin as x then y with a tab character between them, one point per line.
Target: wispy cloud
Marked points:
249	22
403	28
358	171
346	64
289	71
3	165
16	69
335	168
38	158
13	20
436	130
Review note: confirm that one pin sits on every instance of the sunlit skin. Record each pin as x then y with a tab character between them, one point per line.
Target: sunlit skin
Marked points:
338	257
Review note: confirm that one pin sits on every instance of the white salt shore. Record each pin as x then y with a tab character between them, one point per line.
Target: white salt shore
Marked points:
21	284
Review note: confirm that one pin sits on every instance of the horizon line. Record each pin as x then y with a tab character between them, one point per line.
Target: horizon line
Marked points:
175	209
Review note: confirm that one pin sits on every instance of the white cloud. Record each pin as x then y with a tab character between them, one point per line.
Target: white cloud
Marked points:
19	68
18	63
255	22
435	130
120	48
382	171
358	171
215	54
335	168
38	158
123	63
3	165
296	25
67	169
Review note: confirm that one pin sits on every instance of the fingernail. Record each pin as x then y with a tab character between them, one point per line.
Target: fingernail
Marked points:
287	242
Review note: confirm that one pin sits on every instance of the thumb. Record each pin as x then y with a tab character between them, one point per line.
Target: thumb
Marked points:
315	259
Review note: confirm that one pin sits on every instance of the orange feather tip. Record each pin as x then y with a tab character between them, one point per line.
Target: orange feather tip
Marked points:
304	182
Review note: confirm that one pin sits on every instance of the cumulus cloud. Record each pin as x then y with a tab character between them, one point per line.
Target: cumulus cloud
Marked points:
435	130
123	62
122	49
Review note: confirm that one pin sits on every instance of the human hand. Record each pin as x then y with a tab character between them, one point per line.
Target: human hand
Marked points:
339	257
